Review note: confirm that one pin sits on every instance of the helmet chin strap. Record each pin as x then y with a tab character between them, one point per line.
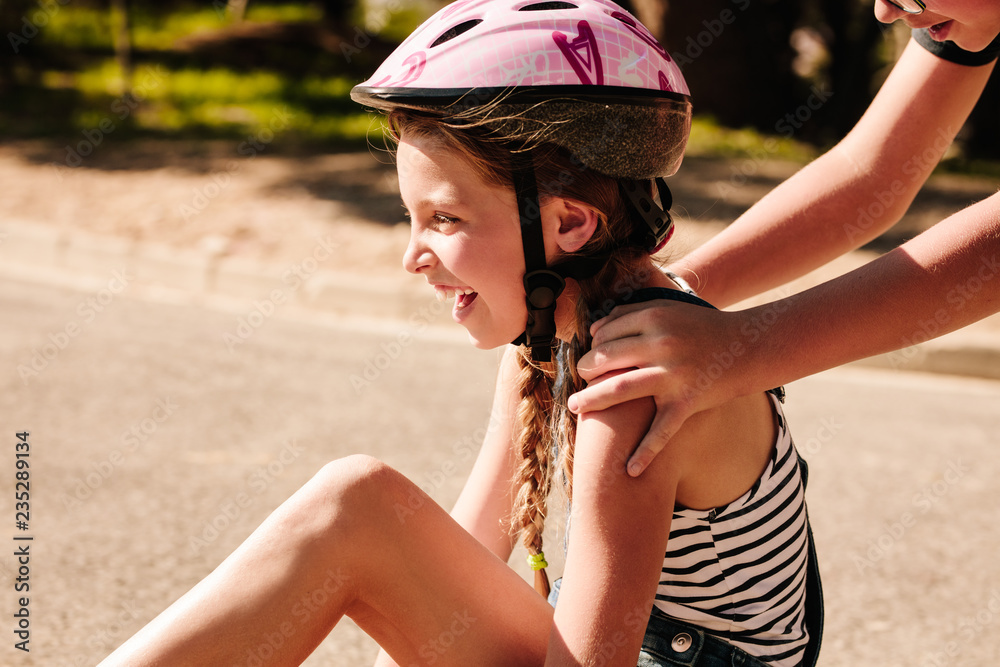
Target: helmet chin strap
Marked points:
543	284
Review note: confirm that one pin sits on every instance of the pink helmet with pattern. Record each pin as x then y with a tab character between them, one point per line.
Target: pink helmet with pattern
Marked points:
582	74
613	96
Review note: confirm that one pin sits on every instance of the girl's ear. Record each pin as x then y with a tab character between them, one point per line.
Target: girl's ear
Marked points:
573	223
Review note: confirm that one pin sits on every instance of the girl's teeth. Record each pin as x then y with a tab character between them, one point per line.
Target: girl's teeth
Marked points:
446	293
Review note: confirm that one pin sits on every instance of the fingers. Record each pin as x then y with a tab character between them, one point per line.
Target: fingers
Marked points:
627	386
619	324
617	355
659	349
636	383
668	421
630	336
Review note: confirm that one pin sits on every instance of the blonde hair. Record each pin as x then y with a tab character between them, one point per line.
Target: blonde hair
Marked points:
543	420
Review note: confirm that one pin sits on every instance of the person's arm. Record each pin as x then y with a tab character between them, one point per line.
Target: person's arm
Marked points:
690	359
849	195
940	281
485	504
619	535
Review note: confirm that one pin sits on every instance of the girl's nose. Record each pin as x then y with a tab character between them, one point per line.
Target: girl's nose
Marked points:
886	12
418	255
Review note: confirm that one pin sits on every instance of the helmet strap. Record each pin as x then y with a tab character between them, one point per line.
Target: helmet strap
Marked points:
542	286
655	224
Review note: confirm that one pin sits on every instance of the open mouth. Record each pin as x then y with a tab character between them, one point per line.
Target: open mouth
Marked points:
939	31
464	296
465	300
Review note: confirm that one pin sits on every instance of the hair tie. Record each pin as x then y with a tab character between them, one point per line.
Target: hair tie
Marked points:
537	561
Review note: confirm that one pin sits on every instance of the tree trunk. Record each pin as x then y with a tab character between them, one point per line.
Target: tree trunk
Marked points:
983	139
853	38
123	42
17	32
736	56
338	12
236	9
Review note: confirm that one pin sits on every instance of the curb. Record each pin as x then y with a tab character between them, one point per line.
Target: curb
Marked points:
37	253
78	259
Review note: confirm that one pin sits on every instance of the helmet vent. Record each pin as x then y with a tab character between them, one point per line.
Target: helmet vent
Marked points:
542	6
624	19
456	31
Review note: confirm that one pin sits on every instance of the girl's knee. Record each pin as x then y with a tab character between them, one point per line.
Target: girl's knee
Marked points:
350	472
357	504
356	489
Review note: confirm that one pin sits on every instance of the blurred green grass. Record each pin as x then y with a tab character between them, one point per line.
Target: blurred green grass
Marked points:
240	89
178	95
710	139
215	102
184	100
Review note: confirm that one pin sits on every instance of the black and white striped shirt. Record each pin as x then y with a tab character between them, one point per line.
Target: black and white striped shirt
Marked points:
739	571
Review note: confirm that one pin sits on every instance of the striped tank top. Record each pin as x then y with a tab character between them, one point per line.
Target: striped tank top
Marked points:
739	571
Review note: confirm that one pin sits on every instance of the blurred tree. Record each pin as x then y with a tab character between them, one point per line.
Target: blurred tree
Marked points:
338	12
736	56
123	41
983	138
14	22
854	41
650	12
237	9
739	58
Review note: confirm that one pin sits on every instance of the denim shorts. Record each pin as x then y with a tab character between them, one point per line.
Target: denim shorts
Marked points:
672	643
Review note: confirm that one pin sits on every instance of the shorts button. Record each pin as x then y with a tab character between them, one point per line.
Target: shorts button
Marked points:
681	642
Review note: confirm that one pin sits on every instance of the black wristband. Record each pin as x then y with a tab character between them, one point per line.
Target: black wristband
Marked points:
954	53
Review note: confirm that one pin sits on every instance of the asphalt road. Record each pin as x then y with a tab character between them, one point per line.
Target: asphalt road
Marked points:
157	444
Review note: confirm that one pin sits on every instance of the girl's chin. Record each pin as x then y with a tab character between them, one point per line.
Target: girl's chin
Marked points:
491	340
481	344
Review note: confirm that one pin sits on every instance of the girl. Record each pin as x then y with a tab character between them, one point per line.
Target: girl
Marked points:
536	221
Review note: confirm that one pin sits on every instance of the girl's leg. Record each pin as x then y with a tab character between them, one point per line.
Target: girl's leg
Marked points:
358	539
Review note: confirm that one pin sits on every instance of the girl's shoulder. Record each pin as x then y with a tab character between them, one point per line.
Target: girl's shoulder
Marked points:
727	449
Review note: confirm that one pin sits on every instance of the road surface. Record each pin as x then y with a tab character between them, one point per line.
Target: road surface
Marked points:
157	444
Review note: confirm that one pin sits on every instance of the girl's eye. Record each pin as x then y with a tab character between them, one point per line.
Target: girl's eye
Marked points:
439	219
443	220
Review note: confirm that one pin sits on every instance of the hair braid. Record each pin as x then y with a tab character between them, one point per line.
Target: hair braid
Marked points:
564	421
534	475
547	427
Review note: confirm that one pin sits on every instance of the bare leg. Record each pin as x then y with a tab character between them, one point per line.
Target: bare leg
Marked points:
358	539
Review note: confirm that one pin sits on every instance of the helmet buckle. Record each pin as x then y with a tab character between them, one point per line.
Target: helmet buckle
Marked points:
542	289
658	223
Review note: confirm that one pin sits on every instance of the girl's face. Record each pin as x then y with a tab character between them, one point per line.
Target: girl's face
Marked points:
464	239
971	24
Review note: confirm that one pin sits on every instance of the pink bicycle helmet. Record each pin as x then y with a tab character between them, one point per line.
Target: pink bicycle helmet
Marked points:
613	96
582	74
